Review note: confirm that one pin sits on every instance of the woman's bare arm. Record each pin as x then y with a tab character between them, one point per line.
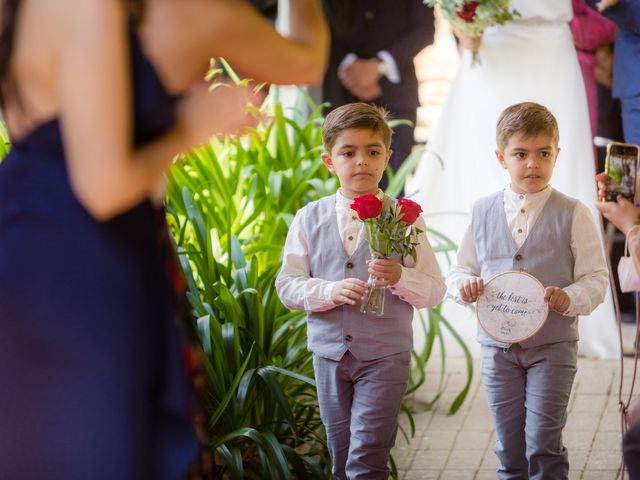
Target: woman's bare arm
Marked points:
107	174
87	82
181	36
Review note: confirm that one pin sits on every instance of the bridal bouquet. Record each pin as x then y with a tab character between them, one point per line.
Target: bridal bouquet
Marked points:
472	17
391	230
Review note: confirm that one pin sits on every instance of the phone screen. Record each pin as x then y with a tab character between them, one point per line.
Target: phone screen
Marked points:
620	167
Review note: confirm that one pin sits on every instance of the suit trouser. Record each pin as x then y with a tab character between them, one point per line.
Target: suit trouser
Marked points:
359	406
528	391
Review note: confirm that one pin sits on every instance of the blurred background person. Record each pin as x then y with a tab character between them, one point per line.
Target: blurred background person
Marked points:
99	97
618	101
626	217
591	33
626	70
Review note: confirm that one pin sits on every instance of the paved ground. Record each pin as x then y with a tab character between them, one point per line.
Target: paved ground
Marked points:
459	447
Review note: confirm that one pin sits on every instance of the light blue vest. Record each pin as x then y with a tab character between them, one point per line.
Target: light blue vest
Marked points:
546	254
330	334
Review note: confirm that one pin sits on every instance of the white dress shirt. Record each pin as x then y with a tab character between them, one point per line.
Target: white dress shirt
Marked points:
590	271
420	284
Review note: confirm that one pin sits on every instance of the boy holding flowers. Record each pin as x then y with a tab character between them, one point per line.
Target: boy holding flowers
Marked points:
531	227
361	362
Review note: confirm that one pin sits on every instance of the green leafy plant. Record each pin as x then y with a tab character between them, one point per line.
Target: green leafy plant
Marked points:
229	206
5	143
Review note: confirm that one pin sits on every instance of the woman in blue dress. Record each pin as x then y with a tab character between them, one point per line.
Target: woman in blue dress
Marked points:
90	354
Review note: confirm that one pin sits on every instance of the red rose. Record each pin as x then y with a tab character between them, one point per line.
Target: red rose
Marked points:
410	210
468	12
367	206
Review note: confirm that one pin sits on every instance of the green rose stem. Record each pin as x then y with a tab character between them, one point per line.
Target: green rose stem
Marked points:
374	303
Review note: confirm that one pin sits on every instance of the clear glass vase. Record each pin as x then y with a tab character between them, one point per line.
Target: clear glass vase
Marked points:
373	302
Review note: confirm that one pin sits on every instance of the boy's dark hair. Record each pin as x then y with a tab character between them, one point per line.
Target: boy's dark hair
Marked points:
528	119
361	116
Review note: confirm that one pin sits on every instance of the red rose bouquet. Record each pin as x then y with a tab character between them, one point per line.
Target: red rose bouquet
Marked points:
472	17
391	230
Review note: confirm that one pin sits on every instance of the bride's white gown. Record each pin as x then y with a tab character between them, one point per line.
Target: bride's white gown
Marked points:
529	59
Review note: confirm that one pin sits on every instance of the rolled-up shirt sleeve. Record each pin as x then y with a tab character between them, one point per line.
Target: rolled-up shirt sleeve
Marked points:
590	272
465	267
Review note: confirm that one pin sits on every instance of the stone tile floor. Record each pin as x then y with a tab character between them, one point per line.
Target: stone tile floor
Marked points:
460	446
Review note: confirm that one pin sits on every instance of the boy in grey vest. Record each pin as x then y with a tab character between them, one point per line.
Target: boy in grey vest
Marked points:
530	226
361	362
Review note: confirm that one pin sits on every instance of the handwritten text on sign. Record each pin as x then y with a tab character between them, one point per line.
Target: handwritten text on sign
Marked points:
511	299
512	307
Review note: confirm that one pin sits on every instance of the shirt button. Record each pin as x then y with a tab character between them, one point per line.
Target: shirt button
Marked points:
348	338
350	237
354	218
522	210
368	15
349	265
518	257
521	197
519	230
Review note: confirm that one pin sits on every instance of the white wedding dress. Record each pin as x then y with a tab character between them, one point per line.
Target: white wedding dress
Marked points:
529	59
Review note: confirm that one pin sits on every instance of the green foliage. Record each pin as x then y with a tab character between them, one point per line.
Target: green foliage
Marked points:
5	143
229	206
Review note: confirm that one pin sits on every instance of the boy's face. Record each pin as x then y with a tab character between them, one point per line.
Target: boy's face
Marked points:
358	158
529	161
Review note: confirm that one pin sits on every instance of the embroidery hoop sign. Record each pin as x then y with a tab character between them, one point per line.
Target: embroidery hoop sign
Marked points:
512	307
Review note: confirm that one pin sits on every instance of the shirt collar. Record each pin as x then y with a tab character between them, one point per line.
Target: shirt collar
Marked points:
529	198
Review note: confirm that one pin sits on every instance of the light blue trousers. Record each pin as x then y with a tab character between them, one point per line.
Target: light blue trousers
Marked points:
359	406
528	391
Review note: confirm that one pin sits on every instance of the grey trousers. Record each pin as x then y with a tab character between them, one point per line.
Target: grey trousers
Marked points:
359	406
528	391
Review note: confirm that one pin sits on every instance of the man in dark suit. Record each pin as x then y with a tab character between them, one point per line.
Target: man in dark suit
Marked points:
626	60
373	44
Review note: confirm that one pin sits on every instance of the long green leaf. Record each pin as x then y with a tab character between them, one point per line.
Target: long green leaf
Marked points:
232	390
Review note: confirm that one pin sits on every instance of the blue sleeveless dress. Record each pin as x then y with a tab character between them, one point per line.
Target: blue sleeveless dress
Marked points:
90	356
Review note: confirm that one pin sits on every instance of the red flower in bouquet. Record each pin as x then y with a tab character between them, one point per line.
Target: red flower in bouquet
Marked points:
471	17
367	206
410	210
468	11
390	230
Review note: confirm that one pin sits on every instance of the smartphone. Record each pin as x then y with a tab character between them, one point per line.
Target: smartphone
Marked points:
621	164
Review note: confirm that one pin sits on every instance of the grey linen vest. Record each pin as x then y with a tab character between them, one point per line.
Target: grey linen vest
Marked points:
546	254
331	333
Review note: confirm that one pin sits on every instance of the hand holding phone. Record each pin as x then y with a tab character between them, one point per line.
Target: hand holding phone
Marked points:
621	165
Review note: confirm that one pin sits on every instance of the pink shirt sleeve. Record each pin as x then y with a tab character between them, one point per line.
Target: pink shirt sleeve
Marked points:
590	30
